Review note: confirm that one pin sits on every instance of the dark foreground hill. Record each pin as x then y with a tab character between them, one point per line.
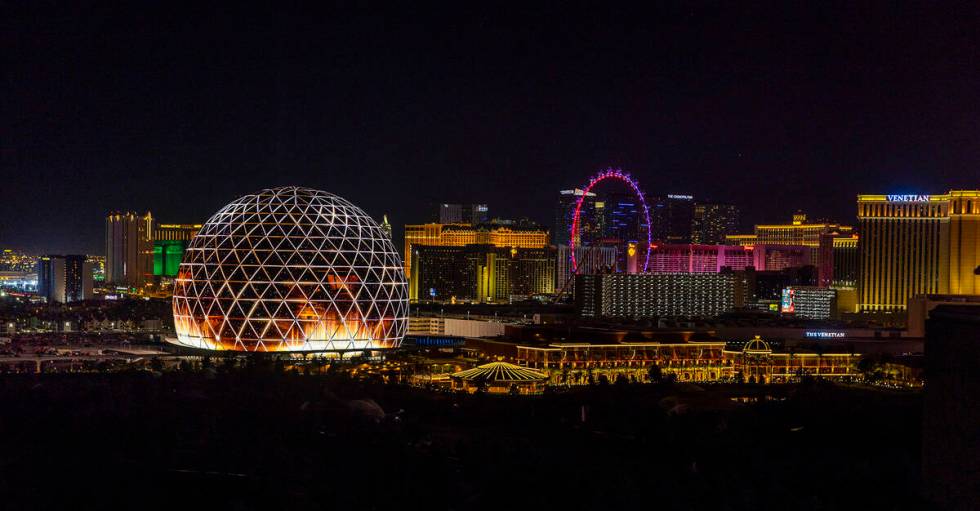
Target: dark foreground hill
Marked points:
253	440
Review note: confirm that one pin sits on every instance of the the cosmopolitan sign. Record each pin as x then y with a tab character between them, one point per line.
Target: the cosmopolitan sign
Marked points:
680	197
908	198
822	334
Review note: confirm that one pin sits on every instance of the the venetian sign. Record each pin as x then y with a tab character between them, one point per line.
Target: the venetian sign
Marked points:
823	334
908	198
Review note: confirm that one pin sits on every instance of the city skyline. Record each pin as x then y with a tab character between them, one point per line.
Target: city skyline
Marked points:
773	112
398	235
673	255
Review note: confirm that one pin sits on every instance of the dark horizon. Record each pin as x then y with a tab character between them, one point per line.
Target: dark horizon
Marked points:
772	108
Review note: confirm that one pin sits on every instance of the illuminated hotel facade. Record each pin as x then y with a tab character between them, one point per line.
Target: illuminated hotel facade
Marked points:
129	248
481	273
64	278
591	259
799	232
169	243
917	244
682	258
690	258
592	222
673	216
846	267
964	241
820	237
647	295
755	362
473	214
459	235
712	222
175	232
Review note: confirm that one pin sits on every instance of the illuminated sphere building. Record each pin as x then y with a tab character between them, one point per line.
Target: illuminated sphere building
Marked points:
291	269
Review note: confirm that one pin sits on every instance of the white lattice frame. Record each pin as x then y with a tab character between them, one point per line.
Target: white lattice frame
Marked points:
291	269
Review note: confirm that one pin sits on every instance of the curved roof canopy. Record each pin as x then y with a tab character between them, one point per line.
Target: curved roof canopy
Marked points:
500	372
756	345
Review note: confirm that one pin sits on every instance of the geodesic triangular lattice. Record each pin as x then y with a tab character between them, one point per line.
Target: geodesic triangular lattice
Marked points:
290	269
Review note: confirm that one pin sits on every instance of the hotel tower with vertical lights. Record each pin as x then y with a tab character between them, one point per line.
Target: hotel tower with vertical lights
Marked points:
917	244
129	248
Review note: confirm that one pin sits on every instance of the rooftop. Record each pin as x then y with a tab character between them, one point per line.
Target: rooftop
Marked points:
500	372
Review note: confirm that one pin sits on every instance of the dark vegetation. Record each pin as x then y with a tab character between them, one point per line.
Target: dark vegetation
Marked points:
255	438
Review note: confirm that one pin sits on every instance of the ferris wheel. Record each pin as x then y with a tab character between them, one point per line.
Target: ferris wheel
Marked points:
619	175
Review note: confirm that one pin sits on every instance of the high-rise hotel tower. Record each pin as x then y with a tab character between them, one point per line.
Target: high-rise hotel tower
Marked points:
128	248
964	242
917	244
460	235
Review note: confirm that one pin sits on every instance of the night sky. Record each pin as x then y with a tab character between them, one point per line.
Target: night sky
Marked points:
181	110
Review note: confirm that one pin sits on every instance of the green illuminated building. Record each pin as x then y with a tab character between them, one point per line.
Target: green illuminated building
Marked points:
166	257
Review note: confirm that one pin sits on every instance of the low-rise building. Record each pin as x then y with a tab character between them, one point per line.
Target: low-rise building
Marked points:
754	362
921	306
499	378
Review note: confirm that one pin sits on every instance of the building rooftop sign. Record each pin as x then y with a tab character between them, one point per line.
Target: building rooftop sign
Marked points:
908	198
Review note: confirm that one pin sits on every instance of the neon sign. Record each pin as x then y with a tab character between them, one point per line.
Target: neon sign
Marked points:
682	197
908	198
824	335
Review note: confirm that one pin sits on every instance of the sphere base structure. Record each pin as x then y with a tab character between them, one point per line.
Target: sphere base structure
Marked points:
176	347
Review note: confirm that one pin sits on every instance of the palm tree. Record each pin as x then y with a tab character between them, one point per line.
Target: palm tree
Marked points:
654	374
156	364
481	384
621	380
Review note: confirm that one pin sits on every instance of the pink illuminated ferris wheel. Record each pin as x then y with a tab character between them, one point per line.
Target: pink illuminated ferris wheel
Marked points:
619	175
